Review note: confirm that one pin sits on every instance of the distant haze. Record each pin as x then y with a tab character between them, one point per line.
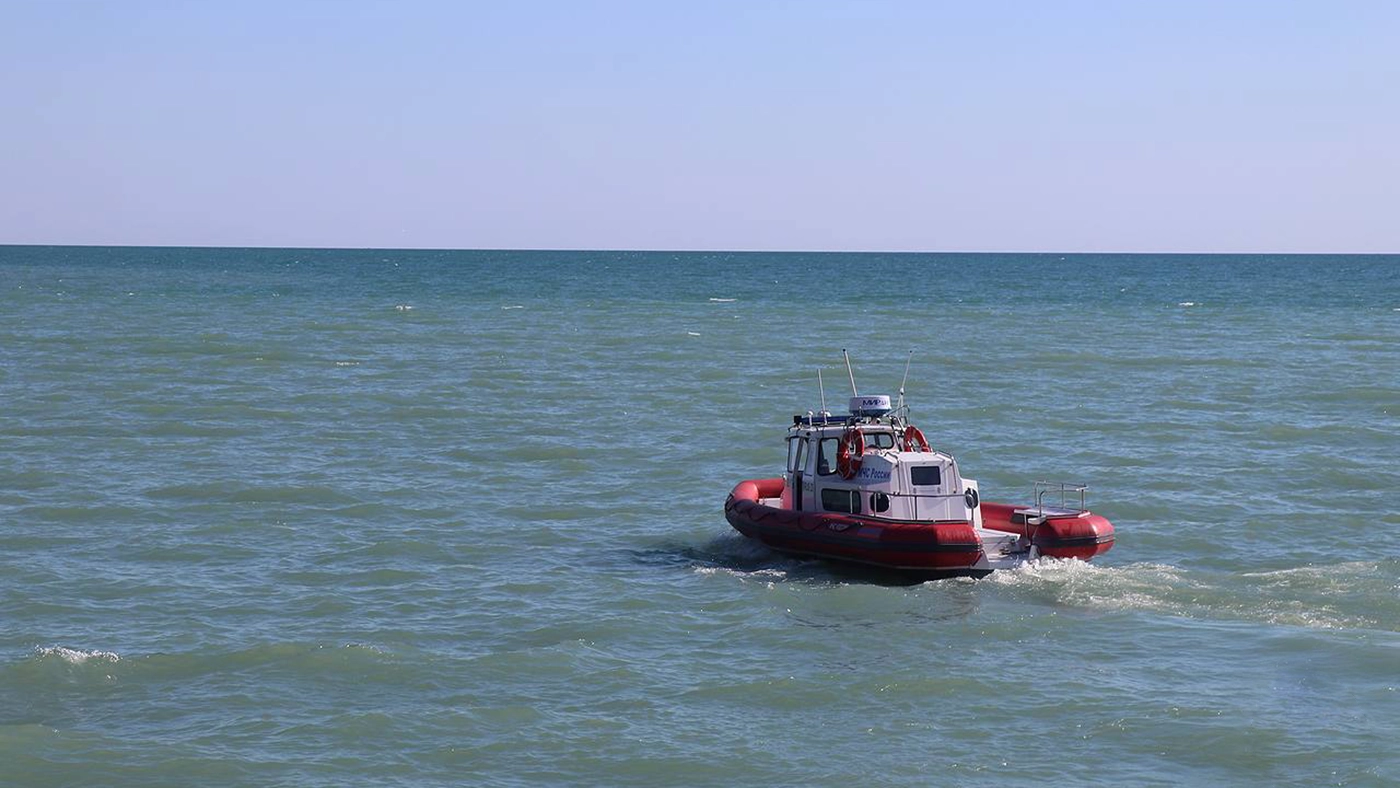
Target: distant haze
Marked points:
1065	126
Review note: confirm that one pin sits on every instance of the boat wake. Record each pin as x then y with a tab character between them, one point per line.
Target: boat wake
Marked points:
1357	595
729	554
743	558
735	556
1354	596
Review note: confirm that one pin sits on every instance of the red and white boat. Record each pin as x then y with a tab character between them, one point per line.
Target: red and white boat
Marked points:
868	488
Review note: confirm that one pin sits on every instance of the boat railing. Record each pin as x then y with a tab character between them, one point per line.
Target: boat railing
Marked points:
1065	490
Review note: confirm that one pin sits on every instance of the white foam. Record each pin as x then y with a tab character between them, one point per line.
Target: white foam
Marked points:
692	333
1187	303
1172	591
1044	568
403	307
75	656
723	300
347	363
1327	572
741	573
514	306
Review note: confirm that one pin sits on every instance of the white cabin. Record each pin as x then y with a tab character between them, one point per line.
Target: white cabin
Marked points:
891	483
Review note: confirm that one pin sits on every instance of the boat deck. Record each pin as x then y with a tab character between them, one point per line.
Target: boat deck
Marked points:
1001	550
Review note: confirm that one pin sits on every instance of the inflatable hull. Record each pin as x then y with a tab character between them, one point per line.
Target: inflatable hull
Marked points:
927	549
932	549
1081	535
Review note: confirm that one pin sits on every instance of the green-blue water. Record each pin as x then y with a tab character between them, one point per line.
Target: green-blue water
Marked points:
317	518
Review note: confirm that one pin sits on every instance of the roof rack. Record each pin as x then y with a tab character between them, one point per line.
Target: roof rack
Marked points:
819	419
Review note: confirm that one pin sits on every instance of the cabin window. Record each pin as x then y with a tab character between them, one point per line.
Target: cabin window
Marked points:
841	500
826	456
879	440
797	454
926	475
879	502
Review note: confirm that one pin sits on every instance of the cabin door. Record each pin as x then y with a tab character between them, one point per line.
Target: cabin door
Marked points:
809	479
797	464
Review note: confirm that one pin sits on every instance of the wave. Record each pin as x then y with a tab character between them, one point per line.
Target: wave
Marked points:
75	656
66	665
58	665
236	492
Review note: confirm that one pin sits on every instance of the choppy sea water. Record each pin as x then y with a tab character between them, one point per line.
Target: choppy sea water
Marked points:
318	517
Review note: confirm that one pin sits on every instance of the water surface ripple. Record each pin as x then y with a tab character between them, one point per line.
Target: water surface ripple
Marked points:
318	517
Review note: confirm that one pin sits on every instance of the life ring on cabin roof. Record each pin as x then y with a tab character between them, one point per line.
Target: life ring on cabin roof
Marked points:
914	440
849	451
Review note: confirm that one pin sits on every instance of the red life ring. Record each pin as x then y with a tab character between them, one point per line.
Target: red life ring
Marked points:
914	439
849	452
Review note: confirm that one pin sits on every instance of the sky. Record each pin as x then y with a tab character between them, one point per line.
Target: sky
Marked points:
873	125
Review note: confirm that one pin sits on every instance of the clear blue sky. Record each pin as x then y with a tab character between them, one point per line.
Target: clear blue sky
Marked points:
1059	126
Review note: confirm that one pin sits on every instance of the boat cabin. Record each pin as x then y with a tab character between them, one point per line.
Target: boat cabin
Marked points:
873	463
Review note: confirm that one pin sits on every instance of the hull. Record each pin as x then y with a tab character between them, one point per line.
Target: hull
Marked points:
928	549
933	549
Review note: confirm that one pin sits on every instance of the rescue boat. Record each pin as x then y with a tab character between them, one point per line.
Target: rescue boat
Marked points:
867	487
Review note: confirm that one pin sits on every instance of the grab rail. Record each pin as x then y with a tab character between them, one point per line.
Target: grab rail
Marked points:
1043	488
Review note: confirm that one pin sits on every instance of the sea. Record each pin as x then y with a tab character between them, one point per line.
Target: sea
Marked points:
315	517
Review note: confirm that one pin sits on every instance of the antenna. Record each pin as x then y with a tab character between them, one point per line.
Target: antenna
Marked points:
821	389
852	375
906	378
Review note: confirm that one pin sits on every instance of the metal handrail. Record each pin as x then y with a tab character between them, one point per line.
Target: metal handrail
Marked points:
923	495
1042	488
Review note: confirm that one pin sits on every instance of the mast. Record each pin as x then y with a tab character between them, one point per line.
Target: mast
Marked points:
907	362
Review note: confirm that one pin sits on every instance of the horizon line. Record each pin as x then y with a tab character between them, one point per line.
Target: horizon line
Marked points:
688	250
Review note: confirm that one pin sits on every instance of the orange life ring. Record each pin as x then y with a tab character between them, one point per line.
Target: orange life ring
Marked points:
849	452
914	439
